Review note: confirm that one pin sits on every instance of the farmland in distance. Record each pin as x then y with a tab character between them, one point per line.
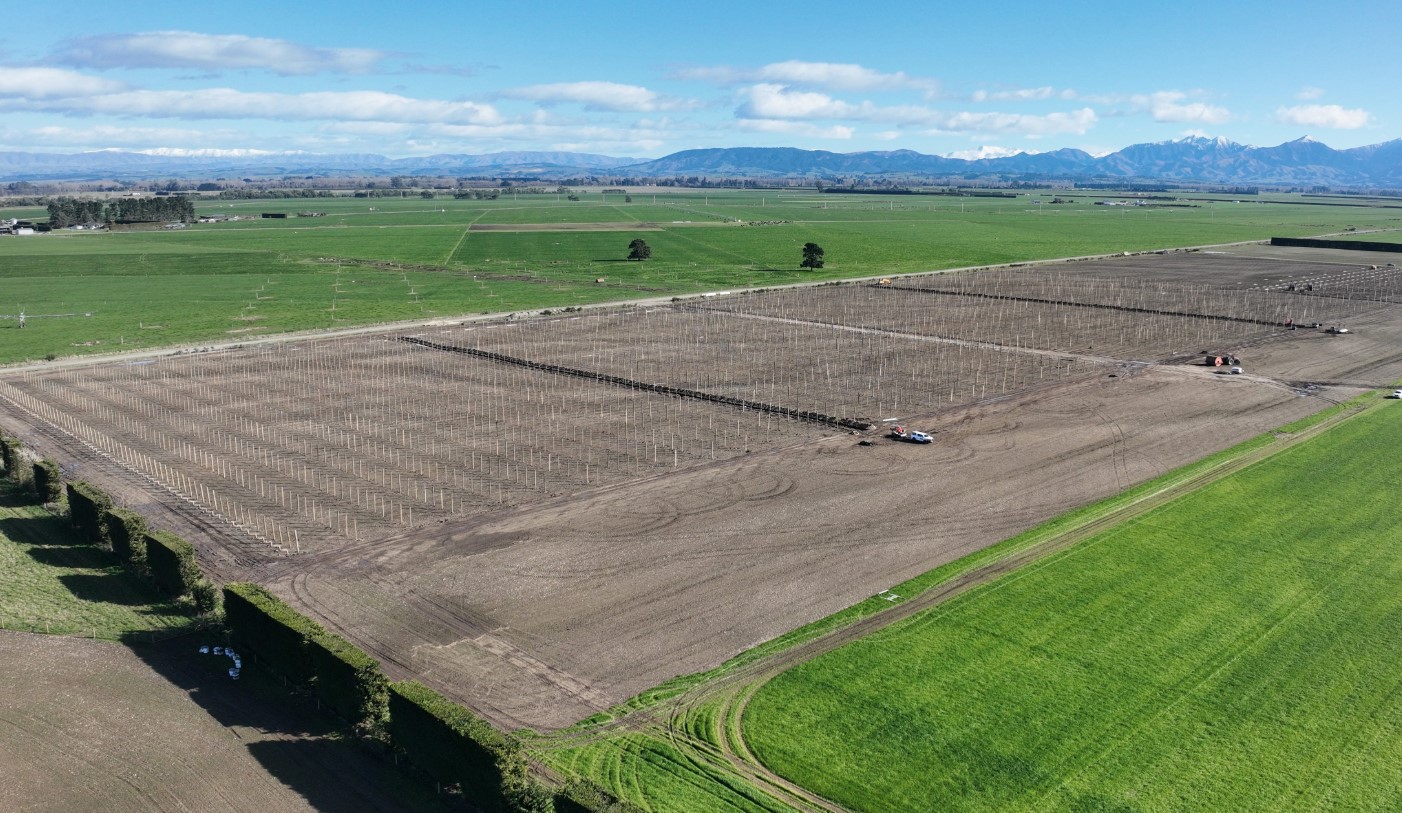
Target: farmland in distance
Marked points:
372	261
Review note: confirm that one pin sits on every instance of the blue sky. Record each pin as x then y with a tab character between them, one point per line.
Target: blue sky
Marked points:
644	79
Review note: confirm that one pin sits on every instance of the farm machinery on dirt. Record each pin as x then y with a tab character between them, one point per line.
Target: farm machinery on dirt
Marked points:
910	435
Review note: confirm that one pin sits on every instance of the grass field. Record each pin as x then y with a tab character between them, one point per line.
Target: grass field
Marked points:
51	582
1237	649
370	261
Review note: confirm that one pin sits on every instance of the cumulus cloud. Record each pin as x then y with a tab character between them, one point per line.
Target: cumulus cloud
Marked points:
777	102
1324	115
225	103
609	96
52	83
1169	106
1022	94
768	101
213	52
828	75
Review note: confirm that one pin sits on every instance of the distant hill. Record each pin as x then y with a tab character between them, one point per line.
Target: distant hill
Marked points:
16	166
1194	159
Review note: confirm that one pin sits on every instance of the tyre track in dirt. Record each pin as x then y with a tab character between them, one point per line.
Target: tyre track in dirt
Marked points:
731	691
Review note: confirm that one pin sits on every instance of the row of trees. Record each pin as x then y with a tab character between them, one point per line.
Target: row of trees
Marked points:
66	212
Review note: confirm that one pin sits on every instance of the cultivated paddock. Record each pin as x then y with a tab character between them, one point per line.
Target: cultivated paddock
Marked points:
542	543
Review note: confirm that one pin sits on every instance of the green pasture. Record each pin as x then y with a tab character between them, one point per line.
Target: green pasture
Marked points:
1377	237
52	582
1237	649
375	260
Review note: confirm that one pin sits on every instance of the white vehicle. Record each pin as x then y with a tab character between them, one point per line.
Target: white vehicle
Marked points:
1236	371
1396	394
912	436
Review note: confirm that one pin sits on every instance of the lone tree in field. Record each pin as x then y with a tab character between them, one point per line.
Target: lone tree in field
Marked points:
639	250
812	256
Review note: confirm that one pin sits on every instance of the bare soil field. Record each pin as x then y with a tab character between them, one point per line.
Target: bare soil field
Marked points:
541	546
91	725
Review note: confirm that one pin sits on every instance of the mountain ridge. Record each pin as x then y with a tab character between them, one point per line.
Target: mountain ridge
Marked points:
1194	159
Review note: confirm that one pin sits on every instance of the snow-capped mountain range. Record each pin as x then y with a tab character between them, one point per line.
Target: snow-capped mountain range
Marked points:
1198	159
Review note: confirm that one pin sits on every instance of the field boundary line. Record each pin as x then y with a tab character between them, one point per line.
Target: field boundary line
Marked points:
463	238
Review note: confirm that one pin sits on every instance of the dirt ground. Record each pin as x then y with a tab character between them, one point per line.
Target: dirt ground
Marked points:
92	725
541	609
545	614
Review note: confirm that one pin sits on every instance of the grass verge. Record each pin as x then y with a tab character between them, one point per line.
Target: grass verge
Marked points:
52	582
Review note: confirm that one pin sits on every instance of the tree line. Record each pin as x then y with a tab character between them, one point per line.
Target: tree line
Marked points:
66	212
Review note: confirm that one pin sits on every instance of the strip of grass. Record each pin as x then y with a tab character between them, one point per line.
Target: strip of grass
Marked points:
219	282
51	582
1237	649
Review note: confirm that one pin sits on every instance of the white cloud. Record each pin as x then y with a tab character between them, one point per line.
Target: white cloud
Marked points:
52	83
1165	106
226	103
768	101
599	96
1168	106
189	49
1075	121
771	102
1309	92
987	151
1324	115
827	75
1022	94
799	128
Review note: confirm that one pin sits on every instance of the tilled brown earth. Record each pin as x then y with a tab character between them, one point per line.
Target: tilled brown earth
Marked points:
542	615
